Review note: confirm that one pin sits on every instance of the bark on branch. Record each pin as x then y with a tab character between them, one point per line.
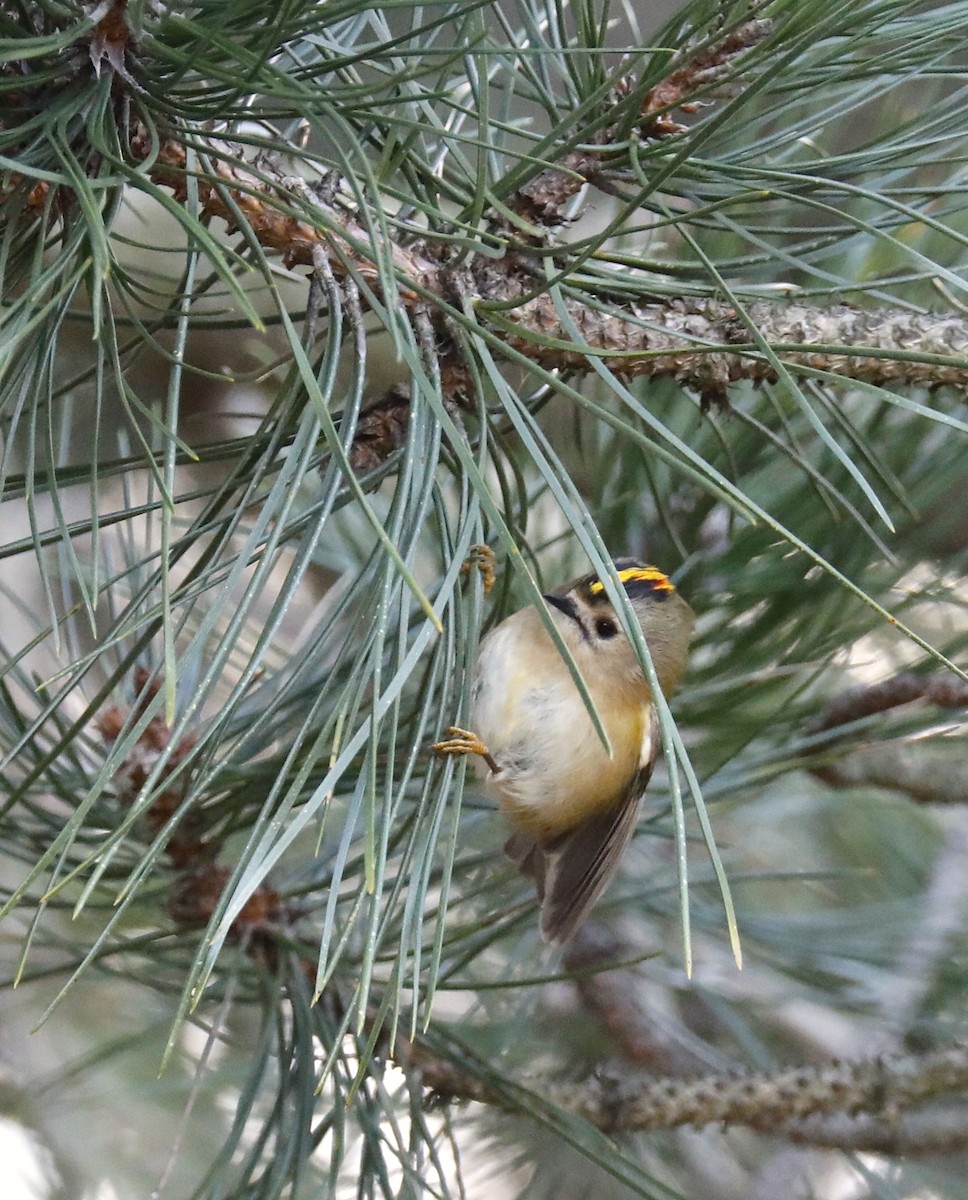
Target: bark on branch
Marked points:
769	1102
926	773
644	1040
704	344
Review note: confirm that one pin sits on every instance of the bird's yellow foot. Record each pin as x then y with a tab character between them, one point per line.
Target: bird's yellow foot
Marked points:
462	741
481	557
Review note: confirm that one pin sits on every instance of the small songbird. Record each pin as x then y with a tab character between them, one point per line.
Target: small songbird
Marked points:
573	807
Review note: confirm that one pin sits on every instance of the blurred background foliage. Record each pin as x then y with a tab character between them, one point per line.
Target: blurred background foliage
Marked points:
228	642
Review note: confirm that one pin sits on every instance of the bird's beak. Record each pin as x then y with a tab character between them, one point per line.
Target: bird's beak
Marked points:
564	604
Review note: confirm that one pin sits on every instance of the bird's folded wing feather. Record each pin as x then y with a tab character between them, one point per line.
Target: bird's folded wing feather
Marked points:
572	870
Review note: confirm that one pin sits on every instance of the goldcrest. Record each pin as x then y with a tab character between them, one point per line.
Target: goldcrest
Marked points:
572	805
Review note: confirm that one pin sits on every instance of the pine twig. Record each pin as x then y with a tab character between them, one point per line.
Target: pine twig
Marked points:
542	200
936	1129
939	688
901	766
765	1101
614	997
704	344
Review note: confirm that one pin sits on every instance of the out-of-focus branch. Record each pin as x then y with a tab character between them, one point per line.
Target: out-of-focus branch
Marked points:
936	1129
770	1102
916	769
614	997
940	688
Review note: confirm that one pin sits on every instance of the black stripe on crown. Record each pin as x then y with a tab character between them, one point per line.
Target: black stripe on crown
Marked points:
639	579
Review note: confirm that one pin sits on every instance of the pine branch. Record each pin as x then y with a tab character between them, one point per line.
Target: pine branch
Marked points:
936	1129
672	339
765	1101
703	344
902	766
867	700
543	200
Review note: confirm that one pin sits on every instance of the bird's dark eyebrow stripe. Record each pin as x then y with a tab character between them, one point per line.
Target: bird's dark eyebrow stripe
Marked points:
569	608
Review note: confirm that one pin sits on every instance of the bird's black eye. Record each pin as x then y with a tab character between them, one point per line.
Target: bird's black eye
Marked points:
605	627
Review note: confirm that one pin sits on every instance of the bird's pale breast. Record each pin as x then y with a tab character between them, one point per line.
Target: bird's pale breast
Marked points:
555	772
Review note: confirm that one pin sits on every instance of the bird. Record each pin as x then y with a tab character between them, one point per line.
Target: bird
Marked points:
571	804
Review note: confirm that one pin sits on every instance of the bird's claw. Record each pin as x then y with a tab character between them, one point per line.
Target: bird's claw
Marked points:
463	741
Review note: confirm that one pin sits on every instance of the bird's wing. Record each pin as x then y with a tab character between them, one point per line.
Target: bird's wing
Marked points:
572	870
